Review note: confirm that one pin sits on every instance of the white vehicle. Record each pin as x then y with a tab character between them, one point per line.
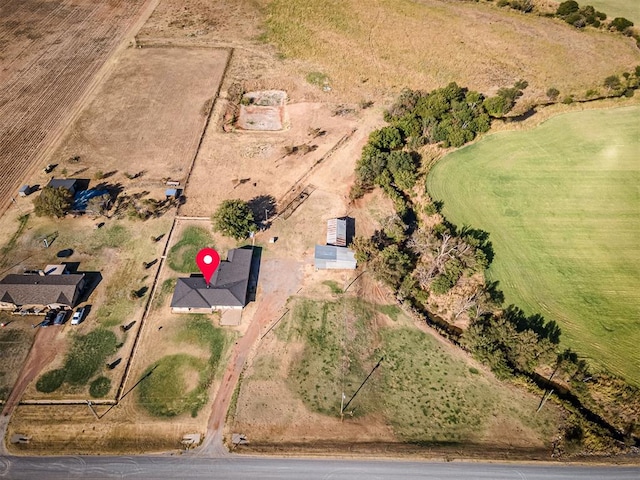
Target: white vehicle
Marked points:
77	316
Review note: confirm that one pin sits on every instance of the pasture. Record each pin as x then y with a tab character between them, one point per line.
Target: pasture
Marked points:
382	46
424	391
617	8
561	204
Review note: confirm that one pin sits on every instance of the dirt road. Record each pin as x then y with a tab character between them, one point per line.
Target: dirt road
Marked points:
48	341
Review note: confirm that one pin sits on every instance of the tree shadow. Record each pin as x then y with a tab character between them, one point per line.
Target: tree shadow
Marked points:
536	323
263	207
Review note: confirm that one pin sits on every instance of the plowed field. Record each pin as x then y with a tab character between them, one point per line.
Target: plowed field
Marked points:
50	55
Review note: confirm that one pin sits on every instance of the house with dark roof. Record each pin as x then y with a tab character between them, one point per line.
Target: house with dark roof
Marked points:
53	291
70	184
227	289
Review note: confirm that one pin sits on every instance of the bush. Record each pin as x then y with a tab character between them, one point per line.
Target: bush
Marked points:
99	387
568	100
51	381
552	93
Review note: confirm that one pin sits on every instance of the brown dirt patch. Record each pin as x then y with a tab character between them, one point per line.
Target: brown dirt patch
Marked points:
52	56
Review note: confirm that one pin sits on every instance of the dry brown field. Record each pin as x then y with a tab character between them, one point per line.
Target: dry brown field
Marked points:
148	116
52	54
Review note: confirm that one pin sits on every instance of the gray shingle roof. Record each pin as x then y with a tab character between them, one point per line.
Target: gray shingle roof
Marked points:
228	286
40	290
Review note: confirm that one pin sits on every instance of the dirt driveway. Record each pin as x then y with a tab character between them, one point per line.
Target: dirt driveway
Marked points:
279	287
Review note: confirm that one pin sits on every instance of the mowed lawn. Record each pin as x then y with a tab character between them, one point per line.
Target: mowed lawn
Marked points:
562	205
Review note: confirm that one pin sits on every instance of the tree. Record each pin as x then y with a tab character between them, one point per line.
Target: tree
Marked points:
621	24
497	106
234	219
386	139
391	266
53	202
612	82
403	168
566	8
553	93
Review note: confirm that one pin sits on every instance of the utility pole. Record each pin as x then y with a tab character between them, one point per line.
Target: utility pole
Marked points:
362	385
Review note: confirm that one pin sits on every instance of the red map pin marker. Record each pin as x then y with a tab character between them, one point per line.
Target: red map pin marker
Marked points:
208	261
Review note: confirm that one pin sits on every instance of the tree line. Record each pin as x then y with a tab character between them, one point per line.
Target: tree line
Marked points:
428	261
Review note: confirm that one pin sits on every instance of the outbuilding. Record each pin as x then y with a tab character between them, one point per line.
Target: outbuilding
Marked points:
330	257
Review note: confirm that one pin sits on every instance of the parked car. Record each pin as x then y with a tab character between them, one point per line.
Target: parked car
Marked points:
78	316
60	317
49	318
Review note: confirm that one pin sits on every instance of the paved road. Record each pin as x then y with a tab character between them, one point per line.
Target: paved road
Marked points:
235	467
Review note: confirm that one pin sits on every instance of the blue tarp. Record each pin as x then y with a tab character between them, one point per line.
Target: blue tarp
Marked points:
81	198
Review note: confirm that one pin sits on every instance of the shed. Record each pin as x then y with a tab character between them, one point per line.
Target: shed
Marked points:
337	232
24	190
172	192
335	258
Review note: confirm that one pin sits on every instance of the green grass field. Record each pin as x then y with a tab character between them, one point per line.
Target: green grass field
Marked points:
562	205
164	393
423	391
182	256
629	9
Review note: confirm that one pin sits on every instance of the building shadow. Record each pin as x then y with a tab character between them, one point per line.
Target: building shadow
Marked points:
92	280
254	272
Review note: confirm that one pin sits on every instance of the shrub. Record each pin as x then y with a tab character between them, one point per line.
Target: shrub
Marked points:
99	387
51	381
568	100
568	7
552	93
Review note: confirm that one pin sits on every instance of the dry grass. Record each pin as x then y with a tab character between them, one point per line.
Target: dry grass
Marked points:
393	44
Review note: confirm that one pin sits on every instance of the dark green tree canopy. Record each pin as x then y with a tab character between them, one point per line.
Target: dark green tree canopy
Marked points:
53	202
234	219
568	7
621	24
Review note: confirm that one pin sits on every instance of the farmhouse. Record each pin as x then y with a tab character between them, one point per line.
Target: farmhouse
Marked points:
227	290
53	291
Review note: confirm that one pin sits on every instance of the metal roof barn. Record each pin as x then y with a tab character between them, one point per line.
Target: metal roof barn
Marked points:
332	257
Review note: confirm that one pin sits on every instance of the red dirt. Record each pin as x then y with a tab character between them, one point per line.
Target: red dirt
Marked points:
43	351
